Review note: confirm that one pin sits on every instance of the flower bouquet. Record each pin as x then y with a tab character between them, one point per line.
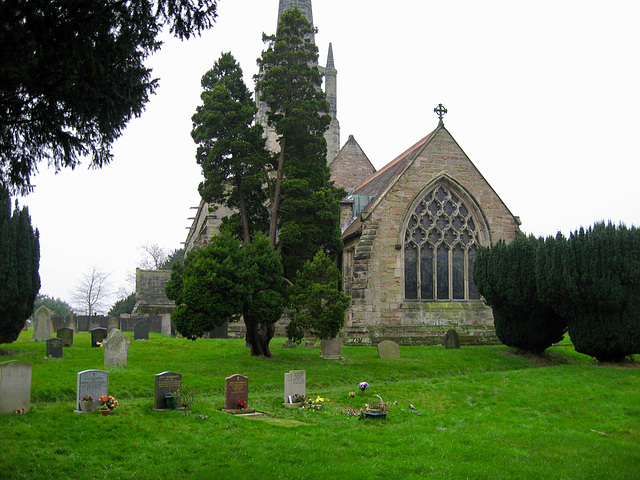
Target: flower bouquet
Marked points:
107	404
86	404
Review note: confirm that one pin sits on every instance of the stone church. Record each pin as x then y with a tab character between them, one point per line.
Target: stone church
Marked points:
411	232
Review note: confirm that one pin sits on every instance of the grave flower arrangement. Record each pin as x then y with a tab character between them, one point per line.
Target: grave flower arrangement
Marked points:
87	398
241	405
299	398
363	386
107	402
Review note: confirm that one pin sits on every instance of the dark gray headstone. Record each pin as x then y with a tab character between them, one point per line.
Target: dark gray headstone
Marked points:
15	387
220	331
141	330
94	383
54	347
388	349
451	339
166	382
66	335
97	336
236	388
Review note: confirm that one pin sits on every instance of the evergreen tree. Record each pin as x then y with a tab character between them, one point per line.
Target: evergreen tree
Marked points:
19	264
124	305
58	307
505	276
231	148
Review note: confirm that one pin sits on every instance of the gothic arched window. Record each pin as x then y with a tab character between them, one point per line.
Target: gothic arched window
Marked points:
440	247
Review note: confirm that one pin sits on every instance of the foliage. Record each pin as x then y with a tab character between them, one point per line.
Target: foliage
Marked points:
223	281
304	205
176	256
19	265
107	402
57	306
72	75
124	305
505	276
318	305
92	291
600	290
231	147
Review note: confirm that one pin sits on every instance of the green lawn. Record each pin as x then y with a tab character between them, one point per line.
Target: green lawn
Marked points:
480	412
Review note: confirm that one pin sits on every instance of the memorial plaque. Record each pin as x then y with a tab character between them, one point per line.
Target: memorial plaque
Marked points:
54	347
94	383
97	336
15	387
236	388
166	382
66	335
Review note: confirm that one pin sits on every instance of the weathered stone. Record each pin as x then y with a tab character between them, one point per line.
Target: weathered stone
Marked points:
331	348
54	347
43	327
15	387
451	339
66	335
141	330
115	346
97	336
388	349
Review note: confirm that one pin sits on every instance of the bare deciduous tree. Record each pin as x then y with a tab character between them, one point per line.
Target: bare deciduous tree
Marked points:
92	292
154	256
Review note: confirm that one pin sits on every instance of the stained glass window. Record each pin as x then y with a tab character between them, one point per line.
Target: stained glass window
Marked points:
440	247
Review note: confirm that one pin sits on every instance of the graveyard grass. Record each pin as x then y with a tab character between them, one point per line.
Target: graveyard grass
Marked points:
480	413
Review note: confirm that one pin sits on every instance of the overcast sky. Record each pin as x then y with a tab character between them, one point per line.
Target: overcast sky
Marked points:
542	96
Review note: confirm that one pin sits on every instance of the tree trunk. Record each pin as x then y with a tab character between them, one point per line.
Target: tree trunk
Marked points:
258	337
275	201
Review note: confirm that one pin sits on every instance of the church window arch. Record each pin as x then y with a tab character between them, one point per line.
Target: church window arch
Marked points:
441	241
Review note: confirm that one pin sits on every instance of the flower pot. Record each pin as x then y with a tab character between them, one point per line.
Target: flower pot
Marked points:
86	405
105	412
172	402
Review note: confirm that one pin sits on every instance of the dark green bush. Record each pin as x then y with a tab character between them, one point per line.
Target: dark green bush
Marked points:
505	276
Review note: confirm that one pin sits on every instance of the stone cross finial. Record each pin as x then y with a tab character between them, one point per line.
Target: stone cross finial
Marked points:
440	111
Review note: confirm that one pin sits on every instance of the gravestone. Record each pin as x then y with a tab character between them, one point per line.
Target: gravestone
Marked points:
94	383
165	382
295	383
289	344
141	330
66	335
451	339
43	326
112	324
115	349
236	388
220	331
15	387
331	348
71	322
98	335
54	347
388	349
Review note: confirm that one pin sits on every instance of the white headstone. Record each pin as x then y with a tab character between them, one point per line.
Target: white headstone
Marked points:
94	383
15	387
43	326
115	349
295	382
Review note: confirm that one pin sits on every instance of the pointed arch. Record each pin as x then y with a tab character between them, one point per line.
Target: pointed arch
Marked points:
443	228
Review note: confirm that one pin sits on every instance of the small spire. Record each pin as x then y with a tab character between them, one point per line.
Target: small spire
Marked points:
440	111
330	63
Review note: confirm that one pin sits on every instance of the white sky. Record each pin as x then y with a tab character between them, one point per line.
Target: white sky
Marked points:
542	96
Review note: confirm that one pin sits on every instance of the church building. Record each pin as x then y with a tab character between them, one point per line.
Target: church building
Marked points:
411	233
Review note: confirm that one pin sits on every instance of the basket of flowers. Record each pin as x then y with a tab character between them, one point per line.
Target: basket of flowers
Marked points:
376	408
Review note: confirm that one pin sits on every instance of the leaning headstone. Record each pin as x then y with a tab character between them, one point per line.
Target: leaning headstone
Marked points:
43	326
66	335
97	336
295	383
141	330
165	382
236	389
54	347
451	339
331	348
15	387
220	331
115	346
113	324
91	383
388	349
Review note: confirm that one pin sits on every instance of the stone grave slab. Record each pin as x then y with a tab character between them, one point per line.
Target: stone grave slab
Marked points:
388	349
165	382
94	383
331	348
115	346
97	336
451	339
43	326
295	383
15	387
141	330
54	347
66	335
236	388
